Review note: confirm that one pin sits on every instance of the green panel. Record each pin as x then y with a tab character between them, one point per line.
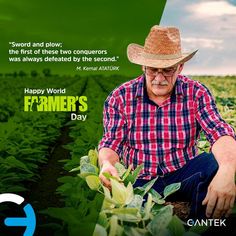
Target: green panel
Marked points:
90	24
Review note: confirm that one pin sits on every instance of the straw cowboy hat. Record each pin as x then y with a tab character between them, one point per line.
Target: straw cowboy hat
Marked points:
162	49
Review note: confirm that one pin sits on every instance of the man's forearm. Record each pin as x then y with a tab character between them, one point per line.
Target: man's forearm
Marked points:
224	150
107	155
221	191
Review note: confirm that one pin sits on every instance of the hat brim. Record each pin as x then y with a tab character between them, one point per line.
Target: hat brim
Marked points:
136	55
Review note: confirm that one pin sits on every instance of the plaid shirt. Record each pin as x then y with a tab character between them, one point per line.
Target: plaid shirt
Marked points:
162	137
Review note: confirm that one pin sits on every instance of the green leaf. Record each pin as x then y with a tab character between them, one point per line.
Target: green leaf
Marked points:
75	169
88	169
84	160
103	220
131	231
85	174
12	162
160	221
108	176
93	182
145	188
139	191
149	185
128	179
155	194
176	227
66	214
159	201
118	211
136	172
106	192
129	218
64	188
148	207
85	228
156	208
16	189
197	229
157	198
120	168
108	204
201	144
113	226
129	193
126	173
99	231
66	179
171	189
136	202
120	194
93	157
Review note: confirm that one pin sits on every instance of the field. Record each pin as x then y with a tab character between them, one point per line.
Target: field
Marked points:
38	149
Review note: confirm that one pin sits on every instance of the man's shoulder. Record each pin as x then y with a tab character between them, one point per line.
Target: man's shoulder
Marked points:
129	87
188	84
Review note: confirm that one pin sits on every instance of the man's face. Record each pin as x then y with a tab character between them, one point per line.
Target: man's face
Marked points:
160	82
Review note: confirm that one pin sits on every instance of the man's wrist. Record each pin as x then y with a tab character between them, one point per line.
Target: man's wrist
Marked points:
104	162
227	168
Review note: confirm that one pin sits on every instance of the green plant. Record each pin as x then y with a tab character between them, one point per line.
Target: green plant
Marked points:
123	211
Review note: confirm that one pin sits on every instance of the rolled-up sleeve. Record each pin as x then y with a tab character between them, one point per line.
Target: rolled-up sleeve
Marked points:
210	120
114	124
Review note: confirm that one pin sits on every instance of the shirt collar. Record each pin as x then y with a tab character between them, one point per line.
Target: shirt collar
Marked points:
178	86
140	88
178	90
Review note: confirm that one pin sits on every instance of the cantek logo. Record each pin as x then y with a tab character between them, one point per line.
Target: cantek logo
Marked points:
207	222
29	221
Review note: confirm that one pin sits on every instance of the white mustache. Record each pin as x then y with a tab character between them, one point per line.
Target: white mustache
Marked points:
154	82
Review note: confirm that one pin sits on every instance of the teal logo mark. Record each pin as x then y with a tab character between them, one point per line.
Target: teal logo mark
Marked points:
29	221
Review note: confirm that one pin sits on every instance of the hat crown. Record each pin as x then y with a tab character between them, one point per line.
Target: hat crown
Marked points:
163	41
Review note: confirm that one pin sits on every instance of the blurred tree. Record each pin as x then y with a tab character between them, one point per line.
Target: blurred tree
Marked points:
34	73
22	74
47	72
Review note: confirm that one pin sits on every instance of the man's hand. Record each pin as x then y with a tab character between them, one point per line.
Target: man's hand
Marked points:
107	160
221	193
108	168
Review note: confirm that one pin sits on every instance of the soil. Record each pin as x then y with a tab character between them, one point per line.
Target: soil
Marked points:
181	209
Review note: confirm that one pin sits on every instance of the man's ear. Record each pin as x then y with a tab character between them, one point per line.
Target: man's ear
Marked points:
143	68
181	66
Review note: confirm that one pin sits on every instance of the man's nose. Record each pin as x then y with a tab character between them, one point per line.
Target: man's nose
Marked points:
159	76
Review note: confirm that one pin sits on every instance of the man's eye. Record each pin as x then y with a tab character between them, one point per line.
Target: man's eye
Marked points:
153	71
169	69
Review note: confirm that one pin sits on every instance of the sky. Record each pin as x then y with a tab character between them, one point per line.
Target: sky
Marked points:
210	27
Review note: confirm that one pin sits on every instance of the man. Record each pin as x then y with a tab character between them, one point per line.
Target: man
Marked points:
156	120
